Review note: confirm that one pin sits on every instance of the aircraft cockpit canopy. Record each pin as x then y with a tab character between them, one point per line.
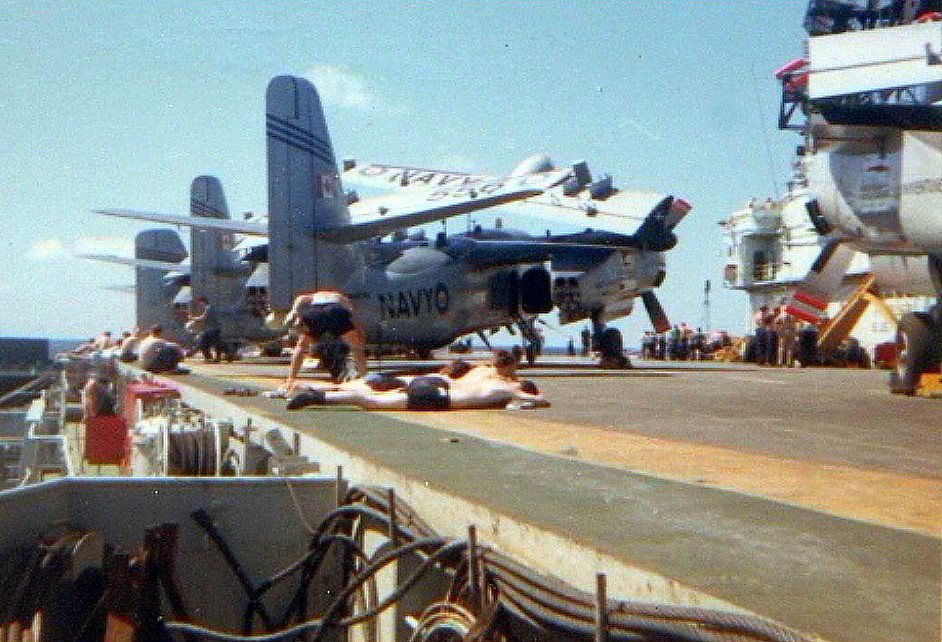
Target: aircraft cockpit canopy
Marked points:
415	260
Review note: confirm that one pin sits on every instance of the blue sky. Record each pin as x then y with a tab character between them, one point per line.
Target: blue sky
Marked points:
110	104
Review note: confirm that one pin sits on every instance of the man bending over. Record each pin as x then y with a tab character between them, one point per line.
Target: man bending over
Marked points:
320	313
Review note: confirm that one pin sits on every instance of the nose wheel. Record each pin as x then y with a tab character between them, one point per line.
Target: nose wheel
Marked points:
608	342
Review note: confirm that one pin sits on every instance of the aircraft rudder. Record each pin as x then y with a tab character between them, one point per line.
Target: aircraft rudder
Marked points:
159	245
304	191
295	117
154	293
207	198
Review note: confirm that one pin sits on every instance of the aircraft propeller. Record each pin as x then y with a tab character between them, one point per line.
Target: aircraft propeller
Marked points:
655	312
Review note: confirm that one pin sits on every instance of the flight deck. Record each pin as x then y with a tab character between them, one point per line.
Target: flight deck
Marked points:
809	496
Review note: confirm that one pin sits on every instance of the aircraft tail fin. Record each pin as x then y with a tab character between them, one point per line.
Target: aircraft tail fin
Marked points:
654	233
305	195
154	293
215	271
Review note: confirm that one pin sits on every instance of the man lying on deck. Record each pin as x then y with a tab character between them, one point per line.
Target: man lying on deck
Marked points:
458	385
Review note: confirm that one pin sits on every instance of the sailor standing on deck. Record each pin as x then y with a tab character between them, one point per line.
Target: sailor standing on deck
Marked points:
210	332
763	324
786	329
317	314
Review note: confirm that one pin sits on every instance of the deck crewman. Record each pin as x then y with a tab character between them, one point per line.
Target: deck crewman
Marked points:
318	314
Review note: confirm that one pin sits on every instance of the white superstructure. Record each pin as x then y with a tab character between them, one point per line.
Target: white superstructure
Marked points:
770	247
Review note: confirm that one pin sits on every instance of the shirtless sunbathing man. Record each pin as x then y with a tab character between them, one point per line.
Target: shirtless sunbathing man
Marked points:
460	386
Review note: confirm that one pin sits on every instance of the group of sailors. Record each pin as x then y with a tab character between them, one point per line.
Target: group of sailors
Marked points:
148	349
312	318
777	336
779	339
458	385
681	343
151	351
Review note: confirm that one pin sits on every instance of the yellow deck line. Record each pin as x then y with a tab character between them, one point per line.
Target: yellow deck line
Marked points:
900	502
912	504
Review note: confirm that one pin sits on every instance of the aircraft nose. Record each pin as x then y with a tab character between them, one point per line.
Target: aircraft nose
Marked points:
650	268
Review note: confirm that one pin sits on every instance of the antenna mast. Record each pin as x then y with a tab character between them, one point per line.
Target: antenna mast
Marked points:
706	307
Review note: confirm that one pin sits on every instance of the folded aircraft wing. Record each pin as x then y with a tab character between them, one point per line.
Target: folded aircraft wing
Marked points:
239	227
166	266
811	297
383	176
492	252
435	203
430	204
612	210
621	212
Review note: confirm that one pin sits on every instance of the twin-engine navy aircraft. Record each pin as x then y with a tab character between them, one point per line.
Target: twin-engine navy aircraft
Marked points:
414	294
597	273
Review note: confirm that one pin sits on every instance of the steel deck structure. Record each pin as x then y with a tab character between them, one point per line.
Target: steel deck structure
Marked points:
809	496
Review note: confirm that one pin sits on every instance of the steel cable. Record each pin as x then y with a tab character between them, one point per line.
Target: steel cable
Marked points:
620	612
322	625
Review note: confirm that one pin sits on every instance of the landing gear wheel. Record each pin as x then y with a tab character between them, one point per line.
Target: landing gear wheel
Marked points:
917	348
230	352
610	349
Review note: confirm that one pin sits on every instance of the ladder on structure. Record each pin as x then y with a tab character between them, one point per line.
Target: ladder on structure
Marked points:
833	333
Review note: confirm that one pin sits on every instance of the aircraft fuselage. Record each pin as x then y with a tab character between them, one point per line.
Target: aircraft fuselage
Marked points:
880	189
432	307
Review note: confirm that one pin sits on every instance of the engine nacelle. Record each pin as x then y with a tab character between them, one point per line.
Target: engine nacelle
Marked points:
529	291
610	286
882	192
536	291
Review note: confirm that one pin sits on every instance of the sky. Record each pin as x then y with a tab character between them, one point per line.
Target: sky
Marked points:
120	105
